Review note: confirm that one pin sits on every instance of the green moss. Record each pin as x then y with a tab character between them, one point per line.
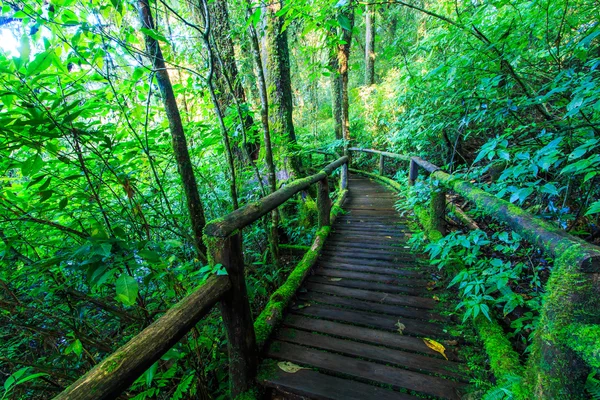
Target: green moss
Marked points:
251	394
294	247
585	340
387	181
268	368
273	312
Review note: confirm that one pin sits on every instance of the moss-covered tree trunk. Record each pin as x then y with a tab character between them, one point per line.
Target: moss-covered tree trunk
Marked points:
370	44
347	15
182	156
226	71
336	94
277	70
268	149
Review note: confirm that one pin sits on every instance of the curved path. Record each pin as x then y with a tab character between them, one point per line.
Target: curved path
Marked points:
343	327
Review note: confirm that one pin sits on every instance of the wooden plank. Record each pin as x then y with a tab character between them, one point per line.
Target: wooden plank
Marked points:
315	385
366	285
361	305
385	322
375	270
358	255
390	250
365	261
334	241
382	278
385	298
361	369
380	354
368	335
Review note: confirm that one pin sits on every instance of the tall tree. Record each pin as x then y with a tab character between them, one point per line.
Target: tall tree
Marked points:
370	44
182	156
264	118
346	19
227	81
279	83
336	91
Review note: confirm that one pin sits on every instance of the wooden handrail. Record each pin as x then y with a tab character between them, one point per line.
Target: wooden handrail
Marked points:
119	370
244	216
384	153
559	357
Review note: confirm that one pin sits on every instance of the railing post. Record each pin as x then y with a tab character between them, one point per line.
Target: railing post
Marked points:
323	202
344	177
437	209
381	161
237	318
413	172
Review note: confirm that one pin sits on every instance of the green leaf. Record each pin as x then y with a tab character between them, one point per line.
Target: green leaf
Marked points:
594	208
40	62
127	290
154	34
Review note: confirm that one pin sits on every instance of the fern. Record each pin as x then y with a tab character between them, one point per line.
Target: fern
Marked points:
183	387
592	385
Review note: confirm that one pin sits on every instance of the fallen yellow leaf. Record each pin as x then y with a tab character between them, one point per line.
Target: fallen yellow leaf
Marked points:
335	279
435	346
436	298
289	367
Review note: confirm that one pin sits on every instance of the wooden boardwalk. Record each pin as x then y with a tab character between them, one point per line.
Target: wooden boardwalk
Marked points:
343	325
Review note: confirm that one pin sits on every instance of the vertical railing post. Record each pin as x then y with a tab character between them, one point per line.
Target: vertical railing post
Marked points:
437	209
413	172
323	202
237	318
381	161
344	177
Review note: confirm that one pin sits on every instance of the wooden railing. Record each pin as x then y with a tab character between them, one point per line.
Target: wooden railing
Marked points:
567	342
224	241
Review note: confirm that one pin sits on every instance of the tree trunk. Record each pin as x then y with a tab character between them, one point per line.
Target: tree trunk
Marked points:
343	56
264	117
336	95
370	45
182	156
220	30
279	83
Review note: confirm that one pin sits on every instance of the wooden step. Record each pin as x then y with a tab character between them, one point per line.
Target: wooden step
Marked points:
370	371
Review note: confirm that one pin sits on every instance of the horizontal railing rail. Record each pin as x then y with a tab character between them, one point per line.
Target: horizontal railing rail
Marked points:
119	370
573	288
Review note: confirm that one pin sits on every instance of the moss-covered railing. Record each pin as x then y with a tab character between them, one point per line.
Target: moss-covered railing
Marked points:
119	370
567	342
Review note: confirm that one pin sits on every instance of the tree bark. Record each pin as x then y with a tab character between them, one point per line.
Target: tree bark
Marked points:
336	94
279	83
343	56
264	118
182	156
370	45
227	69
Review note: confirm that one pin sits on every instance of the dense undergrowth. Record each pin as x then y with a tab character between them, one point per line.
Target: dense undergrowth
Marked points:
95	238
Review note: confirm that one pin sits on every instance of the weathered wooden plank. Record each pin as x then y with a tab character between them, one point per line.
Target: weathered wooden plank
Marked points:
375	270
385	322
366	370
386	298
367	285
361	305
369	335
374	353
365	261
381	278
310	384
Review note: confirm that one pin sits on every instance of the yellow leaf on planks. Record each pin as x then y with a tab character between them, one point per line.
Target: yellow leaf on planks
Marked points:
435	346
289	367
335	279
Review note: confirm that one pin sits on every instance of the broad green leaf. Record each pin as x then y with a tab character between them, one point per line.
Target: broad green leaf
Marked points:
127	289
